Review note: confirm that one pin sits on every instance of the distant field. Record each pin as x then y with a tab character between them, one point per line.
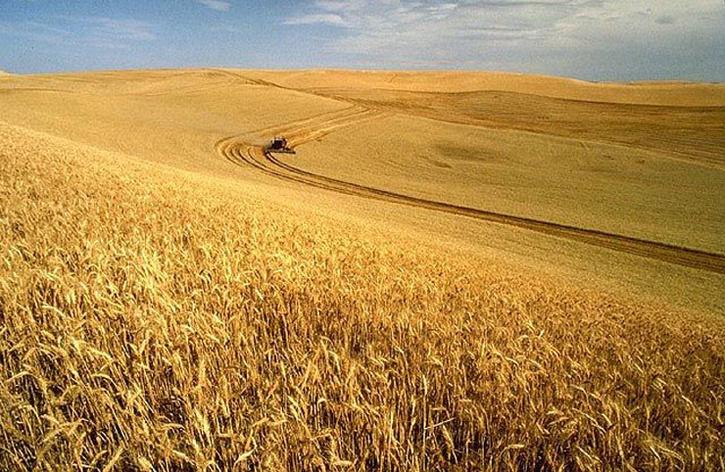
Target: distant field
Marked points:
462	271
577	182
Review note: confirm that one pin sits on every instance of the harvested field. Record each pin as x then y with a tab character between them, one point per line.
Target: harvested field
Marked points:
442	278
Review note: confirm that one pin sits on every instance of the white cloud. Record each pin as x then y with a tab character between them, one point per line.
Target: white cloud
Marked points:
536	35
324	18
94	31
116	29
35	31
218	5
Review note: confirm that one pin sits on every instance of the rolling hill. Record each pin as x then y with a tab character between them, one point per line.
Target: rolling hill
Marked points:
455	271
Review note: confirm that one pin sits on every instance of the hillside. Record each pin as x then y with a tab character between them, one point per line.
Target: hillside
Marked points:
160	305
638	171
640	93
437	280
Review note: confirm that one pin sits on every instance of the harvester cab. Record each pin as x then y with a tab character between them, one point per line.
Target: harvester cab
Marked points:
280	144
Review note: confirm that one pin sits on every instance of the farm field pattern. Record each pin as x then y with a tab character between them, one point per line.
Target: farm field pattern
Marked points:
458	270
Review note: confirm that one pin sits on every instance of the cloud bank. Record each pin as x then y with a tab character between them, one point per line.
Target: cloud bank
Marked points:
543	35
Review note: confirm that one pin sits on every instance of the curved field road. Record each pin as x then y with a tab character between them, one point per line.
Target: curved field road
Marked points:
241	152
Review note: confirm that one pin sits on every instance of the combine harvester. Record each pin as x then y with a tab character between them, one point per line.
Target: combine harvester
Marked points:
279	145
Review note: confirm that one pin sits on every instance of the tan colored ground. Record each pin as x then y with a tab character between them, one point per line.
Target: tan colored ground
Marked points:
652	93
639	160
456	271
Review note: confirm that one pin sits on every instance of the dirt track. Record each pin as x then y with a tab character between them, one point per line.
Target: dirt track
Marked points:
238	150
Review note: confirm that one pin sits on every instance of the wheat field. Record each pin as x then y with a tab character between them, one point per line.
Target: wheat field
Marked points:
174	299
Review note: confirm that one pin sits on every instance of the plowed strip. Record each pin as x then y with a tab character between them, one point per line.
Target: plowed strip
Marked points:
242	153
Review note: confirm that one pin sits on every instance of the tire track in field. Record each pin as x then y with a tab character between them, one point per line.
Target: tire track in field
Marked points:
302	131
296	126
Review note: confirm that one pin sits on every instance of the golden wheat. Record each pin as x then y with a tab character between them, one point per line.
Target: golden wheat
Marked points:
153	322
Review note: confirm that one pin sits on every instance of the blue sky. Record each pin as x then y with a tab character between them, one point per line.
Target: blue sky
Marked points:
589	39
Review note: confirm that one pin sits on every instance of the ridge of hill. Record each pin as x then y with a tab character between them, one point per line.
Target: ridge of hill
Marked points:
662	93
